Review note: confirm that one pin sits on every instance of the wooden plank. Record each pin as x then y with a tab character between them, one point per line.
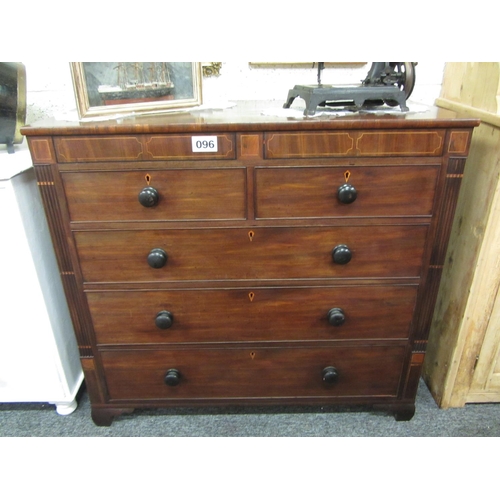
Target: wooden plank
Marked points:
473	84
487	373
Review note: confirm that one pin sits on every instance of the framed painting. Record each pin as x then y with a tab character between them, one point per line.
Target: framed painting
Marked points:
115	88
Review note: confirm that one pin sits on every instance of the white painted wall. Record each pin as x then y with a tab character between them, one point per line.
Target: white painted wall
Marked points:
50	88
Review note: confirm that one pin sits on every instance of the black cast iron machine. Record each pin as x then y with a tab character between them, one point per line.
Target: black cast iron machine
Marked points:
389	83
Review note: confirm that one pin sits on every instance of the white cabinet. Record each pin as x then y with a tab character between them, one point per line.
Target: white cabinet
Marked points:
39	360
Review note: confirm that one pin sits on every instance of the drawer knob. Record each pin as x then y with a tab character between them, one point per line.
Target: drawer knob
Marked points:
330	375
164	320
341	254
173	377
336	316
149	197
347	193
157	258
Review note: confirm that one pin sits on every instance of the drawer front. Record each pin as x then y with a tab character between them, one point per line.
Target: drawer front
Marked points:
141	147
309	144
278	314
190	147
253	373
177	194
354	143
265	253
297	192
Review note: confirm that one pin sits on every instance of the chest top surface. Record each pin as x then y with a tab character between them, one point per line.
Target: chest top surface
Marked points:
248	116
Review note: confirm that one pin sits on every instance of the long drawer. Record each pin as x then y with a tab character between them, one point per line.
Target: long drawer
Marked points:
173	194
264	314
259	253
354	143
141	147
253	373
298	192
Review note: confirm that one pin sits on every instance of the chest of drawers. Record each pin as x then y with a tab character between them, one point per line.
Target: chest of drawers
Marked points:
289	262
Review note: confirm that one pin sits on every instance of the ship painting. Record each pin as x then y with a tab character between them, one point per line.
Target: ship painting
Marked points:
138	82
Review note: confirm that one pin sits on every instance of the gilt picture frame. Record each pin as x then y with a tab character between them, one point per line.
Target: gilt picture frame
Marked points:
104	89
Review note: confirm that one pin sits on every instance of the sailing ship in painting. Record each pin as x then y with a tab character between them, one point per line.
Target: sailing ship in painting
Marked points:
138	82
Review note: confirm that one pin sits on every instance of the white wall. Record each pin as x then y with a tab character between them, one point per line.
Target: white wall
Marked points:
50	88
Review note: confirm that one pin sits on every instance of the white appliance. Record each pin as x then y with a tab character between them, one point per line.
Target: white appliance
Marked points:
39	359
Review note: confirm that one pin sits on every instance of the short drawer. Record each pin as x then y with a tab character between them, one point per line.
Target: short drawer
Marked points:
302	192
167	194
144	147
253	373
259	253
364	143
264	314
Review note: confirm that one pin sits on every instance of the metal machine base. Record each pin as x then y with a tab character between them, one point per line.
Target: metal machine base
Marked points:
357	96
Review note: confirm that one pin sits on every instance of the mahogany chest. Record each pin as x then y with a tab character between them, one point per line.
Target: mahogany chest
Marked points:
227	257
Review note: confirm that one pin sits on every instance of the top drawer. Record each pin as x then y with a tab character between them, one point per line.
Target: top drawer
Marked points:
354	143
305	192
174	194
147	147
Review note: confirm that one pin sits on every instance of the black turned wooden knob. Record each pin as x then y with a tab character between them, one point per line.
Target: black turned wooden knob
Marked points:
157	258
149	197
173	377
347	193
330	375
341	254
336	316
164	320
